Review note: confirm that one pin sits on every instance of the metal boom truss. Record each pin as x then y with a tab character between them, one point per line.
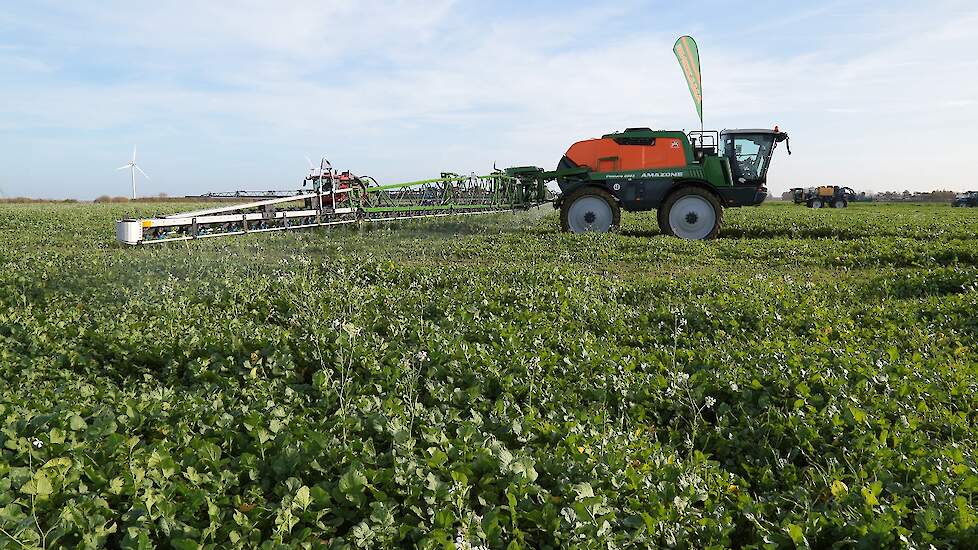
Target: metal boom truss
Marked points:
341	198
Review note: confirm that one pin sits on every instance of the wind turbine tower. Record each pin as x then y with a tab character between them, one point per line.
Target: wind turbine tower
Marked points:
132	169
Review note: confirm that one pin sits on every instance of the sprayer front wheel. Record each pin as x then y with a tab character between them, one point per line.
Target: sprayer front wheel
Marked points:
691	213
590	209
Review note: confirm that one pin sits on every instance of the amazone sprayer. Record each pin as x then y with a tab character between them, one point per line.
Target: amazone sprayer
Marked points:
689	178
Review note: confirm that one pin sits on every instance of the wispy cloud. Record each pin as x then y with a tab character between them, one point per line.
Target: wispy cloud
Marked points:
224	96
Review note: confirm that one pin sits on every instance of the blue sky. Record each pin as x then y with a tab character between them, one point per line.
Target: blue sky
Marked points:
233	95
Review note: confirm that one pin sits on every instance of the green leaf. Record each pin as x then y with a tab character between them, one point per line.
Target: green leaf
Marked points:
869	497
525	467
460	478
584	490
381	515
438	459
77	423
444	518
513	507
797	535
115	486
302	498
857	414
184	544
39	485
352	485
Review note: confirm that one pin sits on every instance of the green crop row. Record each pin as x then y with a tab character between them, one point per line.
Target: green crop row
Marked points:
810	380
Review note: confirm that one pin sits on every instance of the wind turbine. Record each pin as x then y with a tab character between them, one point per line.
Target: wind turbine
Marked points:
132	169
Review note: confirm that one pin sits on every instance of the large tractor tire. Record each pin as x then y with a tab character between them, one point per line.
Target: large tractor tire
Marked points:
815	203
691	213
840	203
590	209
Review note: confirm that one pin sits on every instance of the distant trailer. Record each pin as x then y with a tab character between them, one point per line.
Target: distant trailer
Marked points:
826	196
969	199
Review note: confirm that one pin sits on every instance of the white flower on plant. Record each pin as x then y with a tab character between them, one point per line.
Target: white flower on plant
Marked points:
710	401
422	355
37	443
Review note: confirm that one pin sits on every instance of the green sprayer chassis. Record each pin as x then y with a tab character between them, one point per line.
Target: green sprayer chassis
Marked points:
337	199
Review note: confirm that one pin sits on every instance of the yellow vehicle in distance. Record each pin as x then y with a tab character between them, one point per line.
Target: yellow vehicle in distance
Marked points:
825	196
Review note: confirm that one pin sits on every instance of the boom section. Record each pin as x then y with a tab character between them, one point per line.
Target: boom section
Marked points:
338	201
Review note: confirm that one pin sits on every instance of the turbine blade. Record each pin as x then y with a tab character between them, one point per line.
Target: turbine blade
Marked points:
122	167
309	160
134	153
140	171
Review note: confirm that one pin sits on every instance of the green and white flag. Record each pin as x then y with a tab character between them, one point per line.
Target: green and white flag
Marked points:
688	55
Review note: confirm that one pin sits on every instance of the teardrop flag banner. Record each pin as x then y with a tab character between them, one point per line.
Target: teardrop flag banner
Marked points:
688	55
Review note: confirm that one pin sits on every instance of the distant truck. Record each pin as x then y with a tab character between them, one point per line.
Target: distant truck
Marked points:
830	196
969	199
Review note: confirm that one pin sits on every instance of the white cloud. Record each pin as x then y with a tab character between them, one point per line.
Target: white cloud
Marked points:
406	89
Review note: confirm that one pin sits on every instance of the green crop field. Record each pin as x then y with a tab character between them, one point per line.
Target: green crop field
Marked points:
810	379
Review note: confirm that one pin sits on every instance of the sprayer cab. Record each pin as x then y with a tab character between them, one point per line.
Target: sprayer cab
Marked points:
749	153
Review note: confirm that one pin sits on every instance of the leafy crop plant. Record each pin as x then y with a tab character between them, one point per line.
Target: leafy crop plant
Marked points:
809	379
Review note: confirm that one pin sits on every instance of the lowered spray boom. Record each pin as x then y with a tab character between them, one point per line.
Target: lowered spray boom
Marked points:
341	198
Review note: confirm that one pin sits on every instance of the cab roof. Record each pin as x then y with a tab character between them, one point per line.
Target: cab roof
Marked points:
751	131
